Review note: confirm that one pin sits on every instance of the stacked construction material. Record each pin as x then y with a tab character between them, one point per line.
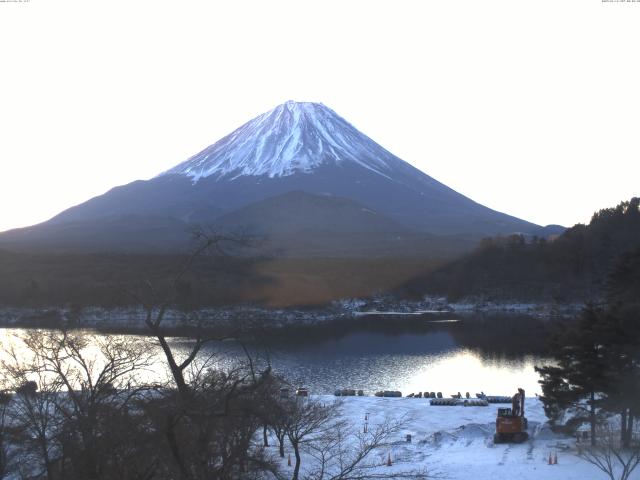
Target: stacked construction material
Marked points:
345	392
388	393
445	402
475	402
454	402
498	399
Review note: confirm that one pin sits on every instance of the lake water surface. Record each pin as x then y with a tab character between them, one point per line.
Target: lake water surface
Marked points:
425	353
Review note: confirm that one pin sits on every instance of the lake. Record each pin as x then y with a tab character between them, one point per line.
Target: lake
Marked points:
494	354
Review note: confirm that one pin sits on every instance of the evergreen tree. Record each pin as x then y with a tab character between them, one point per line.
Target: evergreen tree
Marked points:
623	387
581	375
623	289
623	337
598	359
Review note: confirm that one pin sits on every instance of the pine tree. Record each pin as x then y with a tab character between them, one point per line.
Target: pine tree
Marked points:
581	376
598	359
623	338
623	386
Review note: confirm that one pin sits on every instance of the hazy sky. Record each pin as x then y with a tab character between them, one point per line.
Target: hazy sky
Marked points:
529	107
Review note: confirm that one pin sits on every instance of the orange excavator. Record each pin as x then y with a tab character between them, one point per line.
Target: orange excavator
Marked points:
511	424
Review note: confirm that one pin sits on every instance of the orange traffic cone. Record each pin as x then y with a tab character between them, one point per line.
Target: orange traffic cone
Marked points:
389	460
550	459
289	461
555	458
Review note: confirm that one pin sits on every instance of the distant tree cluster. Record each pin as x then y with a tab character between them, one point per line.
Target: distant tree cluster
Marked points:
572	267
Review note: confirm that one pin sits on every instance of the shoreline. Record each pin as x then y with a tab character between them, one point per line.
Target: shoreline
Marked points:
250	318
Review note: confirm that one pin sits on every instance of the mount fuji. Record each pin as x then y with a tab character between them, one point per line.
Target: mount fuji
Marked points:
299	171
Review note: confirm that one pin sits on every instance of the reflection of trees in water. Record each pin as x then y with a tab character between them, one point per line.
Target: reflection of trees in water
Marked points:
491	336
502	336
339	328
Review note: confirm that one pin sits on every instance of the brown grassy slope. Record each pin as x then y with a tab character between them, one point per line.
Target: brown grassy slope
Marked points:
295	281
48	279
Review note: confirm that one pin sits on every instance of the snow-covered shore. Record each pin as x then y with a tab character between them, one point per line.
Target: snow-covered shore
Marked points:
131	318
432	304
457	442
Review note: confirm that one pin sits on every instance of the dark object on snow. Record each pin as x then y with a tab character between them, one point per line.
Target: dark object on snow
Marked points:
27	388
389	393
346	392
511	424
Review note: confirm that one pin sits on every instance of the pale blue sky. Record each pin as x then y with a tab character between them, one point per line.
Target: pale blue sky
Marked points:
529	107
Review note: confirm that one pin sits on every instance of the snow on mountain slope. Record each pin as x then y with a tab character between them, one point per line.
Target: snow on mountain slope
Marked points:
293	137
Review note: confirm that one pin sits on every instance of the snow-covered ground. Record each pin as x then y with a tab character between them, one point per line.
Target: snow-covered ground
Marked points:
457	442
128	318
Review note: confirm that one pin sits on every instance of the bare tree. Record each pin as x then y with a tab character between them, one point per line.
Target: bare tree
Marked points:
157	301
35	418
303	420
73	403
276	419
6	464
610	455
346	453
207	417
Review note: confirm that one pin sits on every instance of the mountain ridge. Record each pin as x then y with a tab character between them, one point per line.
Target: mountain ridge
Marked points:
303	147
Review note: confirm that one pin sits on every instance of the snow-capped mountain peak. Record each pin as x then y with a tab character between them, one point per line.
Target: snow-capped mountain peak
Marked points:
294	137
297	165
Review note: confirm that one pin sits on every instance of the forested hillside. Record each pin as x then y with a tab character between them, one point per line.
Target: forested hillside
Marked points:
572	267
